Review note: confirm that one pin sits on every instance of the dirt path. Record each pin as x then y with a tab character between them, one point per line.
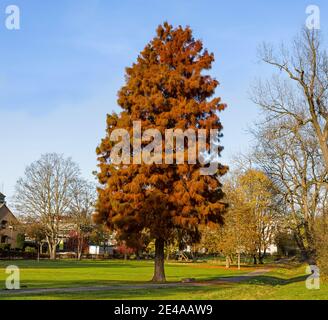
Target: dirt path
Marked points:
234	279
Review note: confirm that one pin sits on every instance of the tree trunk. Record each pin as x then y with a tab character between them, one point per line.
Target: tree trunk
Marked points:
79	255
238	258
320	135
306	245
311	246
39	248
80	247
261	256
167	254
254	259
324	148
52	250
159	274
227	262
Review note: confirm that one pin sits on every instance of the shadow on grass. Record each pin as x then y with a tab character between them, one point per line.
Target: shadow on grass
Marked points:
264	280
120	284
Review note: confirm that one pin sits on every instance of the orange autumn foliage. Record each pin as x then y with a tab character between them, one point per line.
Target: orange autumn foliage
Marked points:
165	89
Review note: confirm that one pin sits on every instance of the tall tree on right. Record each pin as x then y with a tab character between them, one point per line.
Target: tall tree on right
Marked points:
300	90
292	140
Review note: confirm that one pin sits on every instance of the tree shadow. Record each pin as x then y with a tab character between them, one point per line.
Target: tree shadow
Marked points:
263	279
274	281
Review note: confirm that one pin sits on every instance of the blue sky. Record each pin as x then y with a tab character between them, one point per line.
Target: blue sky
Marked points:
60	73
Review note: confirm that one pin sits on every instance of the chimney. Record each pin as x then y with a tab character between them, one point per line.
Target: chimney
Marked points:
2	199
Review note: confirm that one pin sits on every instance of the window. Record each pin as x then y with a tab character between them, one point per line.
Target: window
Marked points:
3	224
4	239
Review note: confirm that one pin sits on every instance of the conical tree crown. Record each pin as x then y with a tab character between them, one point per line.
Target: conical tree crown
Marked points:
165	89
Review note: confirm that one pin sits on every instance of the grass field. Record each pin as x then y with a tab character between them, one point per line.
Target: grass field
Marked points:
130	280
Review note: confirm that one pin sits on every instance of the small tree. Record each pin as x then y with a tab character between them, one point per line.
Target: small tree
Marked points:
36	231
20	241
233	239
125	250
251	220
258	202
44	194
100	235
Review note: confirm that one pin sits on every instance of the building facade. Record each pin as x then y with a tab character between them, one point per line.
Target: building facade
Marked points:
8	224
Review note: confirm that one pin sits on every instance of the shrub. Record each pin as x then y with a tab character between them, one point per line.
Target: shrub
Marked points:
4	246
20	241
30	250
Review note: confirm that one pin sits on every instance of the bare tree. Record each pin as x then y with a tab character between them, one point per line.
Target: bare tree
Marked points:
292	140
300	90
290	155
45	193
80	211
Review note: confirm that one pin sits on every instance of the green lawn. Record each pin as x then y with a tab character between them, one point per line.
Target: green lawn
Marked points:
282	282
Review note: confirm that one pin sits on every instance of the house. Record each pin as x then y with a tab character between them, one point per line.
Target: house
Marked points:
8	221
272	249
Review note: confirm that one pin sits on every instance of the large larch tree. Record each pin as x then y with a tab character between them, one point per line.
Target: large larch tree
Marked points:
165	89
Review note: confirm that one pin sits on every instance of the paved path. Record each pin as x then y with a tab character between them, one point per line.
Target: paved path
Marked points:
234	279
85	289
